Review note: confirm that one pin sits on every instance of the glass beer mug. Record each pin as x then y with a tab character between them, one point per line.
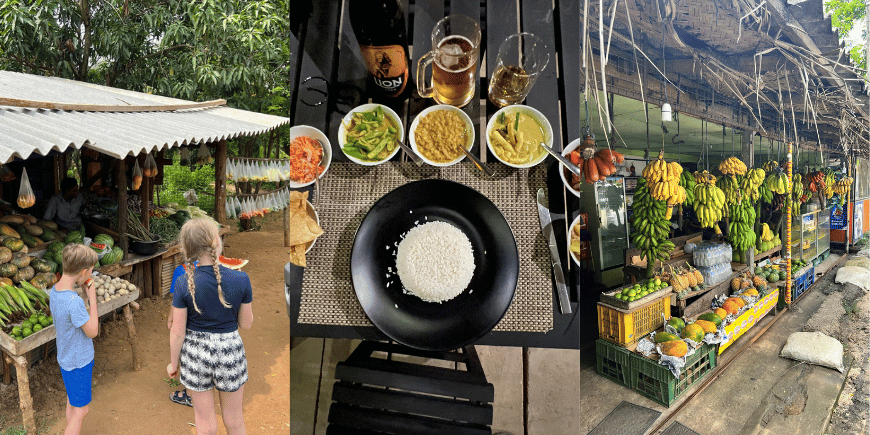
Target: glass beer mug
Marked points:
455	50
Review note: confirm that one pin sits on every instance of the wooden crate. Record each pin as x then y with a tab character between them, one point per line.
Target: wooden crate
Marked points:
170	260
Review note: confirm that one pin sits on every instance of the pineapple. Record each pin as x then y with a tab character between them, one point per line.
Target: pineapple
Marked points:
745	283
698	277
693	281
735	284
759	281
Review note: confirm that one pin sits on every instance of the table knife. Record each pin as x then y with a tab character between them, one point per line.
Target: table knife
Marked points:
550	238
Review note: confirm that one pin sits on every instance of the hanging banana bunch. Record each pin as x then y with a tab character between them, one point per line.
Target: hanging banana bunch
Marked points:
771	166
731	187
841	186
709	200
687	182
777	182
650	227
750	183
663	183
732	166
740	228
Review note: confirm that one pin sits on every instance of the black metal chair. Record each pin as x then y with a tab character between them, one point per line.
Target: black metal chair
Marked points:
382	396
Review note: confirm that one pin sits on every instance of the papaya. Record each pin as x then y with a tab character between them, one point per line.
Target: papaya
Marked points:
721	313
693	332
677	323
711	317
662	337
676	348
739	301
731	307
707	326
751	292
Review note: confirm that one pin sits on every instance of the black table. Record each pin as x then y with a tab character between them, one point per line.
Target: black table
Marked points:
331	79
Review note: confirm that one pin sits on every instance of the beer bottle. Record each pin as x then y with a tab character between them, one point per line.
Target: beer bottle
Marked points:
379	26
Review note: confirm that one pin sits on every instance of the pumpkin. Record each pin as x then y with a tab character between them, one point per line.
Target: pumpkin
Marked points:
662	337
693	332
731	307
721	313
676	348
707	326
20	259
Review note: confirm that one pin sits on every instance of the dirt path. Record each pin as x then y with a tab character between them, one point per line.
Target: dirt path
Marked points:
137	403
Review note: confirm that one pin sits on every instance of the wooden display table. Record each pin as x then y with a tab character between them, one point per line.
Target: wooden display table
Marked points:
17	352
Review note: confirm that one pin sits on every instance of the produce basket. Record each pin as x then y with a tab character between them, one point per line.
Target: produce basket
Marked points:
625	327
612	362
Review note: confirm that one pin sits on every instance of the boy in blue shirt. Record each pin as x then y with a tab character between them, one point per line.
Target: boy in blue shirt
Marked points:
76	327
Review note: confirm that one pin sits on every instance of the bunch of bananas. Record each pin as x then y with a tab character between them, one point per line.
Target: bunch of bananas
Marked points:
663	179
709	202
797	188
777	182
732	166
704	177
650	227
687	182
765	193
740	232
770	166
841	187
767	240
731	187
750	183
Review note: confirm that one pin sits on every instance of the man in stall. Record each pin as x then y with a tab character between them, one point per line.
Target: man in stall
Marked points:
65	207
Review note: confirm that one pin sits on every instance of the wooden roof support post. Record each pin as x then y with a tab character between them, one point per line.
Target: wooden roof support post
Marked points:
220	182
122	207
145	200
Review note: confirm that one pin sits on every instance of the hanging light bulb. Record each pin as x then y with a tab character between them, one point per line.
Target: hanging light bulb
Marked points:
667	115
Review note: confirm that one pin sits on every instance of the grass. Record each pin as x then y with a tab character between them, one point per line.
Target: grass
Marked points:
42	425
851	308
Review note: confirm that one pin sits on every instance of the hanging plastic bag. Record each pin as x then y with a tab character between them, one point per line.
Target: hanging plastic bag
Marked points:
137	176
238	207
228	207
5	174
185	156
26	198
203	156
229	168
150	166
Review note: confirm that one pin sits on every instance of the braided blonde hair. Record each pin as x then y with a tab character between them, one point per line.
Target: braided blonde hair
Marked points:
198	237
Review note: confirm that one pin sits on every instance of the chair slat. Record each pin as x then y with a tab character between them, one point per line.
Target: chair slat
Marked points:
395	423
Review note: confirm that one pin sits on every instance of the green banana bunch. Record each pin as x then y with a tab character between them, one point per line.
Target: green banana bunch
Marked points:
731	187
687	181
740	228
650	227
777	182
750	184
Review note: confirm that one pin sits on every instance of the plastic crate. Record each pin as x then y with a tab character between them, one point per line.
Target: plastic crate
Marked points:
656	382
613	362
625	327
797	290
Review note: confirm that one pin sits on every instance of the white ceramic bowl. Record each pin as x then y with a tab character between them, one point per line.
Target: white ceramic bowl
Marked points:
530	111
306	130
469	129
570	230
313	213
342	129
567	150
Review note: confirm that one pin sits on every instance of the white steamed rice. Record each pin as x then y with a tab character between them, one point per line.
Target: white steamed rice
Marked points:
435	261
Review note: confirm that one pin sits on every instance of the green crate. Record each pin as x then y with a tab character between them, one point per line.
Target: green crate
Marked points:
656	382
613	362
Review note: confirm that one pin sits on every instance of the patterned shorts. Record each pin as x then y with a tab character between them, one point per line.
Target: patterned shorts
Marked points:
213	360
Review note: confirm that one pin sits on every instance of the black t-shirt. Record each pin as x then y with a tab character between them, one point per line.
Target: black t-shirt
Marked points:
214	317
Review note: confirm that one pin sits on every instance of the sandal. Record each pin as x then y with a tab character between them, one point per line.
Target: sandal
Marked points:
181	397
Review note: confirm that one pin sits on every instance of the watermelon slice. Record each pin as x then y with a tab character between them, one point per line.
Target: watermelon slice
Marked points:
232	263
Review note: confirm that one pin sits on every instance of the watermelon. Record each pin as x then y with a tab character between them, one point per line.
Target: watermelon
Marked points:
74	237
115	256
98	247
773	277
104	239
232	263
55	247
48	235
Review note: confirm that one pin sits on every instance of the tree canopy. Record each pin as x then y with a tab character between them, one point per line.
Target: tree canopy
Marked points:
189	49
845	14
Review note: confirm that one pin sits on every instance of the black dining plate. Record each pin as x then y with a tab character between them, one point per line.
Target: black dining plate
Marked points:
406	318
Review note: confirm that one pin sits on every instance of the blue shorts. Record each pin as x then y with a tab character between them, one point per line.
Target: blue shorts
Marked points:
78	385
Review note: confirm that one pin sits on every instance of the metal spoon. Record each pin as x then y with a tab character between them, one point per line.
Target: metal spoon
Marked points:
486	170
571	167
410	152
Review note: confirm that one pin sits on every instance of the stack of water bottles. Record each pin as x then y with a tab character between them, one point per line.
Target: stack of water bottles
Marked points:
713	260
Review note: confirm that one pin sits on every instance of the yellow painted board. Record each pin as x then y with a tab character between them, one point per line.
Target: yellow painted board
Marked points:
749	318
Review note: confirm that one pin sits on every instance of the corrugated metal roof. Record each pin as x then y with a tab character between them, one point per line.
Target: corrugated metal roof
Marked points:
25	131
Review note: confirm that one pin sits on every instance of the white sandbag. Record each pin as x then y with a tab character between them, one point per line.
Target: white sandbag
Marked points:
855	275
864	253
814	348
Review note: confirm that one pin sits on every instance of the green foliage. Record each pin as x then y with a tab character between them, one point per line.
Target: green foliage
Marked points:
190	49
845	14
178	179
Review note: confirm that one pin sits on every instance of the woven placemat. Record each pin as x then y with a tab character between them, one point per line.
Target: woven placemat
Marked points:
349	190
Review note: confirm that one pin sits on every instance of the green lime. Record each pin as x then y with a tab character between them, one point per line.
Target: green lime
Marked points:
37	328
657	281
27	324
44	321
25	332
16	330
632	293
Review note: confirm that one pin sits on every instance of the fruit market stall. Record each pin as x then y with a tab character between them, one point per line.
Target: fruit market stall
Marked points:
31	326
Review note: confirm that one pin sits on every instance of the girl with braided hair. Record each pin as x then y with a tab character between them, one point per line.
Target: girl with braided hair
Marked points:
209	304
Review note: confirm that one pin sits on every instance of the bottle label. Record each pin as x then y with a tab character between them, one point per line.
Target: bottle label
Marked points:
388	66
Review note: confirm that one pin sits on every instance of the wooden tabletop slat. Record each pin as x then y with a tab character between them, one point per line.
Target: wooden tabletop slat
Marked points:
570	25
